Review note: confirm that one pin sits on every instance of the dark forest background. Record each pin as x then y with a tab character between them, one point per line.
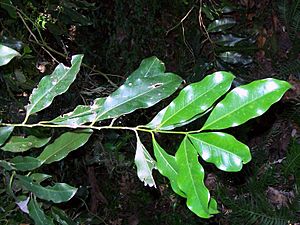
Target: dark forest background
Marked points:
253	39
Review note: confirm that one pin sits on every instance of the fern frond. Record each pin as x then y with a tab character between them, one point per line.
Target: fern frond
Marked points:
283	8
295	7
292	67
252	211
295	25
292	161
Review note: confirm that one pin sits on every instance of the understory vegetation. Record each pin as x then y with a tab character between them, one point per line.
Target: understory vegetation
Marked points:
103	116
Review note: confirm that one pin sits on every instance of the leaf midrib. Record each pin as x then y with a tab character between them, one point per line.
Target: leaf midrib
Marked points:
48	91
189	170
128	100
220	149
64	146
166	161
147	165
173	115
236	109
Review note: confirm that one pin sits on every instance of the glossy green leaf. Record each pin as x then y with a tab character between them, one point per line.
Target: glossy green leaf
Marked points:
37	214
221	149
235	58
58	193
246	102
81	114
53	85
221	25
228	40
144	164
63	145
25	163
21	144
213	206
167	166
143	88
5	133
39	177
7	54
193	100
190	179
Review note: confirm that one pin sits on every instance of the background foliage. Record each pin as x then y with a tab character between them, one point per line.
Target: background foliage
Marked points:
253	39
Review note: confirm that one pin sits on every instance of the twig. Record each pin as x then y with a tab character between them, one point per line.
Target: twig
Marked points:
35	38
181	21
48	49
202	26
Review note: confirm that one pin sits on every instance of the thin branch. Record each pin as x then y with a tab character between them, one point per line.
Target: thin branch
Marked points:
181	21
48	49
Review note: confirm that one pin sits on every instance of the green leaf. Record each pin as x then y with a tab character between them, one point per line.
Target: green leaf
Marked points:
39	177
167	166
221	149
246	102
213	206
21	144
221	25
61	217
58	193
193	100
8	6
5	133
228	40
81	114
7	165
143	88
53	85
235	58
37	214
25	163
190	179
63	145
144	164
7	54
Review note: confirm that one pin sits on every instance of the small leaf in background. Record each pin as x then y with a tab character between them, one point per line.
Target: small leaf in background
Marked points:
221	149
167	166
235	58
25	163
213	206
144	164
21	144
228	40
39	177
7	165
53	85
207	10
5	133
221	25
246	102
63	145
7	54
61	217
190	179
81	114
145	87
193	100
23	205
37	214
12	12
58	193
